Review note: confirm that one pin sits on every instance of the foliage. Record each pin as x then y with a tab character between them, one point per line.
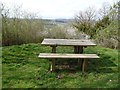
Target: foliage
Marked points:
104	29
63	32
102	24
107	29
84	22
56	32
22	68
108	37
20	29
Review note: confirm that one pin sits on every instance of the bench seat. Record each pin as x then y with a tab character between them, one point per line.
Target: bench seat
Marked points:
54	56
60	55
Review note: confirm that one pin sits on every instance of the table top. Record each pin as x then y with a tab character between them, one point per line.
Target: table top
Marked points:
67	42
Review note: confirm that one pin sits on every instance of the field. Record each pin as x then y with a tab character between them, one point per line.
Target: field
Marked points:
21	68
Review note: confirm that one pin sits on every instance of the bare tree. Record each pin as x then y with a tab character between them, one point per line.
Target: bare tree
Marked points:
90	13
105	9
84	21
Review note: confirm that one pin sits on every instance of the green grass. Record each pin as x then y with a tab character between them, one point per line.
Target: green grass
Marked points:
21	68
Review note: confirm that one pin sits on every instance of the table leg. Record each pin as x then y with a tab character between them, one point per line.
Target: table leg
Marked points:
75	49
80	49
80	61
83	62
52	67
53	49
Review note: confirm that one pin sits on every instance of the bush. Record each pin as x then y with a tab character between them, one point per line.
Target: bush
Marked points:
20	28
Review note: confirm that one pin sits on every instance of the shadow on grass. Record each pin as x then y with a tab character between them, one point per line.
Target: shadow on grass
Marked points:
102	65
67	65
67	70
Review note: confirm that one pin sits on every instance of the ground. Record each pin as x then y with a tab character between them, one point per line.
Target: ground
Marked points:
21	68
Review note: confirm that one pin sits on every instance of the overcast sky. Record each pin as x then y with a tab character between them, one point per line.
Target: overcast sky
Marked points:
56	8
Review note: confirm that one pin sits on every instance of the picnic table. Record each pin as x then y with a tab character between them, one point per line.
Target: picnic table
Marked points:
77	44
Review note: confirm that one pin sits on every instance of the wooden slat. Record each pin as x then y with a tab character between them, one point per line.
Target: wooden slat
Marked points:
56	55
68	42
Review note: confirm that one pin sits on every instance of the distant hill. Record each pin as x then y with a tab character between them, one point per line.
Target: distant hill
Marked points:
57	21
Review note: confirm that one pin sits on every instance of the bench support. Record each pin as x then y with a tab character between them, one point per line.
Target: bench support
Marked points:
77	50
84	65
52	67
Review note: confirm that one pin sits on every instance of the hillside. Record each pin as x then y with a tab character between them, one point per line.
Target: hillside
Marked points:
23	69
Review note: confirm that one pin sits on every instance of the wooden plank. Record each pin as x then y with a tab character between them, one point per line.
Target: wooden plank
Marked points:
56	55
68	42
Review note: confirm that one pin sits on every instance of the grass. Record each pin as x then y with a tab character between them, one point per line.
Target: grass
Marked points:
21	68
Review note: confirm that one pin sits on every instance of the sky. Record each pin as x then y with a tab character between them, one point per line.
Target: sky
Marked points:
52	9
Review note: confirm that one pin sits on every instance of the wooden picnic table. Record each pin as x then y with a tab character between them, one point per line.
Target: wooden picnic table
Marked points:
78	45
